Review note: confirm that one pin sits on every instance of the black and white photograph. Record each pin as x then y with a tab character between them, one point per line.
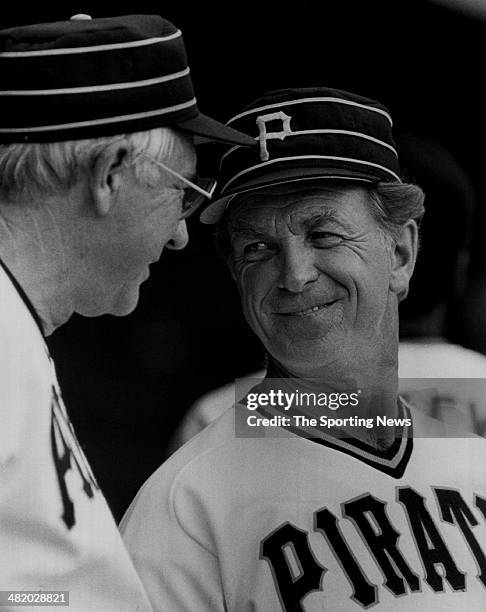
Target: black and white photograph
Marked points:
243	306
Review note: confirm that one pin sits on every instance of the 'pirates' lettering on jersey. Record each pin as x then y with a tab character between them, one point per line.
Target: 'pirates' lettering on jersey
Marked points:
297	571
68	455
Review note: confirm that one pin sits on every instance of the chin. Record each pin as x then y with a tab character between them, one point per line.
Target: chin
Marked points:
125	304
305	356
123	312
118	303
119	310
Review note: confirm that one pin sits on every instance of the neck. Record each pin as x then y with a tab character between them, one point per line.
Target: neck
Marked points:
35	251
374	380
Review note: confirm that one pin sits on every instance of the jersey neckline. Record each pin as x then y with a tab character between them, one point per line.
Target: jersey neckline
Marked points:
392	461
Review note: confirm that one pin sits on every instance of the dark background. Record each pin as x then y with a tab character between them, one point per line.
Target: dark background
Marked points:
127	382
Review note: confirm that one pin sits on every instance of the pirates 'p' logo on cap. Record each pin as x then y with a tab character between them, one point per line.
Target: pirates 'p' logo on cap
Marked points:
264	135
306	134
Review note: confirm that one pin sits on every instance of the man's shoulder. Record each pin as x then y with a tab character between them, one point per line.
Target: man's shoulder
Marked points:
192	467
208	464
216	439
217	436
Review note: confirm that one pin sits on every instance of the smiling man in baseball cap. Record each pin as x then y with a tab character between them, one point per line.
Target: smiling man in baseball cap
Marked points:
287	502
97	177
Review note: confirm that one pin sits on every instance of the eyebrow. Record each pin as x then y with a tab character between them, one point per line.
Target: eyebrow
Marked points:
247	231
330	214
307	221
244	229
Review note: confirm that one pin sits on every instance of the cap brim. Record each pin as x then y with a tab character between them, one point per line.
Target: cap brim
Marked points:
213	213
205	126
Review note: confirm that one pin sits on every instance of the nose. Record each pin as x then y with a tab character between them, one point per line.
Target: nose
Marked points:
179	238
297	268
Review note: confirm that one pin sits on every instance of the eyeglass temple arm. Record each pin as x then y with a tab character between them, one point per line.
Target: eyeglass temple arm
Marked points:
207	194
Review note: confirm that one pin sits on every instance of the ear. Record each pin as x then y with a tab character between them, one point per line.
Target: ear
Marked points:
106	176
404	256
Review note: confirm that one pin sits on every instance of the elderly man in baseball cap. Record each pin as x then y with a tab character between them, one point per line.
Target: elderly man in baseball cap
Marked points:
97	177
321	489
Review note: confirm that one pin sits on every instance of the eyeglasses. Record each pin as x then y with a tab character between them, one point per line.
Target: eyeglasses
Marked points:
196	191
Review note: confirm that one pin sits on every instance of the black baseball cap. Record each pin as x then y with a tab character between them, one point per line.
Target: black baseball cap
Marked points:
307	134
86	78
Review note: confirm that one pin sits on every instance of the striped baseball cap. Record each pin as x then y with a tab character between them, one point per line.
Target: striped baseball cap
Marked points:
306	134
86	78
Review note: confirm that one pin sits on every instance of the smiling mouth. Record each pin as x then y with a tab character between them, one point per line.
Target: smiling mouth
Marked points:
307	311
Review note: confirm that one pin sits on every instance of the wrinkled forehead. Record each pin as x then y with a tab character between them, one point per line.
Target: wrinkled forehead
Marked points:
295	207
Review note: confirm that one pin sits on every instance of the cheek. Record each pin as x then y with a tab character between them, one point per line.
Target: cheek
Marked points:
379	271
164	229
254	283
364	275
158	229
162	213
340	268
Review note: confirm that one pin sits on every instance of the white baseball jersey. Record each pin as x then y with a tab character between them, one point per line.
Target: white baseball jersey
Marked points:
56	530
269	524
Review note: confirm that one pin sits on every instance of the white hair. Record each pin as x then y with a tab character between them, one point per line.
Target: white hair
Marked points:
29	171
